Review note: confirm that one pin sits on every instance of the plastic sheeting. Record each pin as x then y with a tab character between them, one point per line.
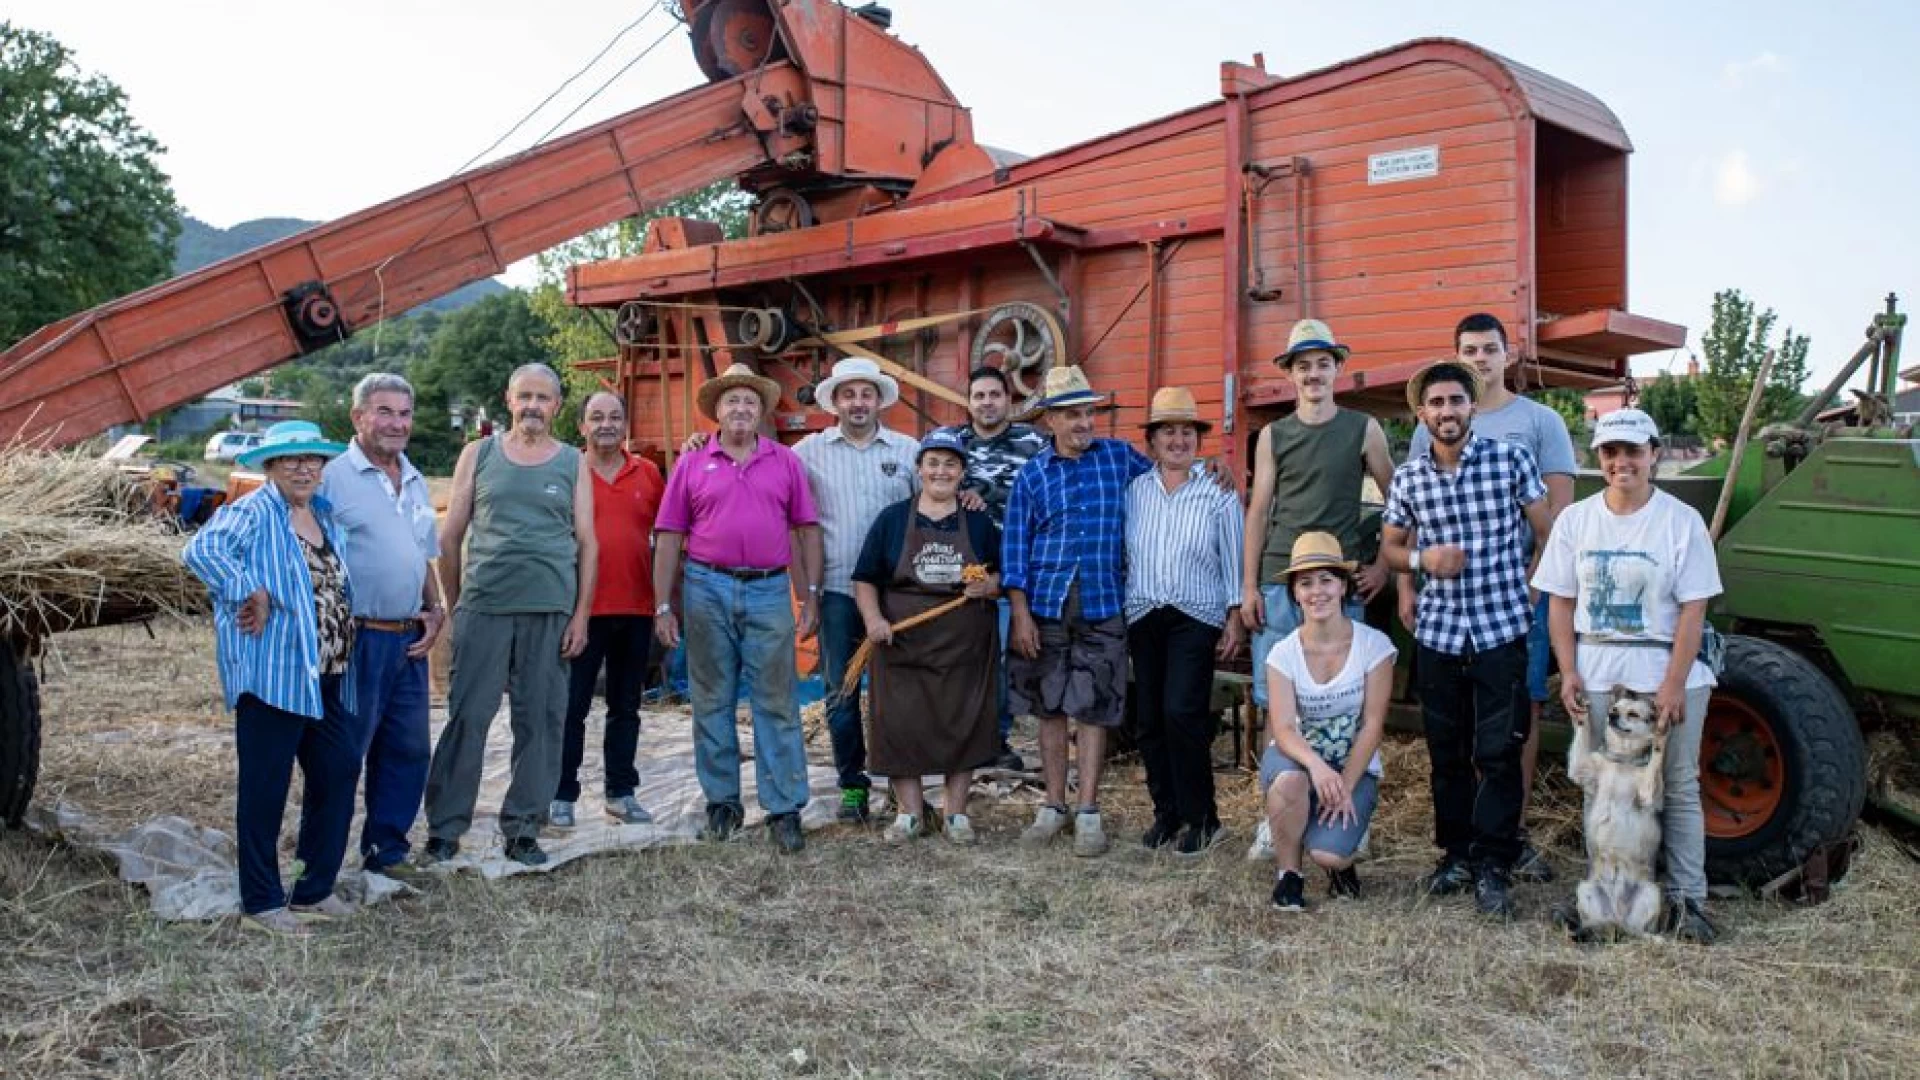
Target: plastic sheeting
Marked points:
189	868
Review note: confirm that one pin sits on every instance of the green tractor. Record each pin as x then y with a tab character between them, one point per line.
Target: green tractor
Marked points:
1820	559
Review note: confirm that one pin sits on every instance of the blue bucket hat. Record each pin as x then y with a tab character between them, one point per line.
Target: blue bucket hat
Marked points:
942	439
291	438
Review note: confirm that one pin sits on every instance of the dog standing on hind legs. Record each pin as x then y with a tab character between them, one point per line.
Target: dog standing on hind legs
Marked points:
1622	783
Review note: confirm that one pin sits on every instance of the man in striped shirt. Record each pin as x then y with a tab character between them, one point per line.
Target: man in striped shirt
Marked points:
1063	560
856	469
1184	535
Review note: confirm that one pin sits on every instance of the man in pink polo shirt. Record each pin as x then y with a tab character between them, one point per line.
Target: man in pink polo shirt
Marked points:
740	509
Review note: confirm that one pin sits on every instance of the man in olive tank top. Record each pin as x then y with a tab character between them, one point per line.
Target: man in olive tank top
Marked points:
520	603
1307	473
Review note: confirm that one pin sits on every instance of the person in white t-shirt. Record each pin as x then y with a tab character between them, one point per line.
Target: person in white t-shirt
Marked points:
1327	686
1629	572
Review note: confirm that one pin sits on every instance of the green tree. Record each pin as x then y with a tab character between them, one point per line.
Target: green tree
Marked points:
1735	343
465	368
1571	404
87	214
1673	403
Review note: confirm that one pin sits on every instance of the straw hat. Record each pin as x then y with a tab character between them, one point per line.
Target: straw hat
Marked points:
1417	386
738	375
1311	335
291	438
855	369
1174	405
1317	551
1066	387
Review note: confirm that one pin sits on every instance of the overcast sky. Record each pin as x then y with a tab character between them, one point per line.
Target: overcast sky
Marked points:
1775	145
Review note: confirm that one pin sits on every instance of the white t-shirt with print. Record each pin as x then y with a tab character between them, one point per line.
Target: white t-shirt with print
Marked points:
1628	574
1332	709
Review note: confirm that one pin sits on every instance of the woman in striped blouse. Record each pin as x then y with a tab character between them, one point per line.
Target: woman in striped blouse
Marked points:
284	632
1184	536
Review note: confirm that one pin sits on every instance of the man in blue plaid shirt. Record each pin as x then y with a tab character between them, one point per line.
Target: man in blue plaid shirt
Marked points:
1470	501
1063	566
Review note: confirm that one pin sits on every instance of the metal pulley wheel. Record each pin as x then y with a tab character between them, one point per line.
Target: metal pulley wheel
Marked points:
733	37
766	329
780	210
1021	339
635	323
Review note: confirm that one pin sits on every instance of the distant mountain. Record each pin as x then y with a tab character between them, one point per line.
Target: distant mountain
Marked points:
201	244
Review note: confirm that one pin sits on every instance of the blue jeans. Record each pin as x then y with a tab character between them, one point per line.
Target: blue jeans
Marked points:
1283	618
1539	652
391	690
841	632
742	632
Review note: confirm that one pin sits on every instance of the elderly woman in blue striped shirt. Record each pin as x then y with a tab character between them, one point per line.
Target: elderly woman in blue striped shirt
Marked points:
284	632
1184	537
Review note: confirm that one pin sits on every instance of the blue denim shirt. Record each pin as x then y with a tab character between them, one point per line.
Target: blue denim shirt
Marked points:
249	545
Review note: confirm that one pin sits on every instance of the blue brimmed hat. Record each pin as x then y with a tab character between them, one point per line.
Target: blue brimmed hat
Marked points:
291	438
1311	335
942	439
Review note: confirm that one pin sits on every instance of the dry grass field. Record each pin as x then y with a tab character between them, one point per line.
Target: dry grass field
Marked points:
852	960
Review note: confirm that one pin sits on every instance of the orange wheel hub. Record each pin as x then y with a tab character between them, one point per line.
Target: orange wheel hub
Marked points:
1743	776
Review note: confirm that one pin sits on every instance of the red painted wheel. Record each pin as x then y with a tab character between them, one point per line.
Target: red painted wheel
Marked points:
1783	768
1742	776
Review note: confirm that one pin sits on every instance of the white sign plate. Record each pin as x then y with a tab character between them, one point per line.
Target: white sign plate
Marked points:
1421	161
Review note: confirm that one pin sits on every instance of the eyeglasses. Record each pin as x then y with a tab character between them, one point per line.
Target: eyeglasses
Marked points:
301	464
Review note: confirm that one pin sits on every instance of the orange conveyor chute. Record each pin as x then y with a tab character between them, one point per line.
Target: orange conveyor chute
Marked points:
132	357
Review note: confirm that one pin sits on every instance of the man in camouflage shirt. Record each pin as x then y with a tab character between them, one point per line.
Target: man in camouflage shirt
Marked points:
996	449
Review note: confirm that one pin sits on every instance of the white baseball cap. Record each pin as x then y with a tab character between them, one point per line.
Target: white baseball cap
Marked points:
1627	426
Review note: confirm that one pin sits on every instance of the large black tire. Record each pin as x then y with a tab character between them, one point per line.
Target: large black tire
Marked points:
1821	751
19	734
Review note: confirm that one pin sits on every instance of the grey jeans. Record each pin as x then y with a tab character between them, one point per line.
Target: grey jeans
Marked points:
515	655
1683	828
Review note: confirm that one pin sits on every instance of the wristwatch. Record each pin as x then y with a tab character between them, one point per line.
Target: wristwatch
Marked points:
1413	559
663	609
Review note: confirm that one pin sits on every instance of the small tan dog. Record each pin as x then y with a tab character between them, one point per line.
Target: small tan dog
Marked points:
1624	795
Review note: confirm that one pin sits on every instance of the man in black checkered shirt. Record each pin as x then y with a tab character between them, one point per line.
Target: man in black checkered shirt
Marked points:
1469	501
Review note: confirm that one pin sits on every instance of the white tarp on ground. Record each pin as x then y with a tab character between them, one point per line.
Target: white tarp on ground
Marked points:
189	868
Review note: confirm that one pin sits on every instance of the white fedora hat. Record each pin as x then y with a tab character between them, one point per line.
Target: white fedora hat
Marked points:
855	369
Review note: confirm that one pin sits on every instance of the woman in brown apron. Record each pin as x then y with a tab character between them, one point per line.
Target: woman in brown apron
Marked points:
933	696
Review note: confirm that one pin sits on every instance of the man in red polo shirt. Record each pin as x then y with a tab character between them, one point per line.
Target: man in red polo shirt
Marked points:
626	496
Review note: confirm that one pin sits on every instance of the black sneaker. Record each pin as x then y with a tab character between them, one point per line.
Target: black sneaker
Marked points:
1532	867
525	850
784	829
1290	892
1197	840
1344	883
438	851
1453	875
723	820
1162	832
1009	760
853	805
1686	920
1490	895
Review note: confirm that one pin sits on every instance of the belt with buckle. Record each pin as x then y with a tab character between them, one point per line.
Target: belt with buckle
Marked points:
399	626
741	573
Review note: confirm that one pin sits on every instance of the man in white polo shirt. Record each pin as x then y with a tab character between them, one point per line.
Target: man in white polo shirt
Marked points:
386	513
856	468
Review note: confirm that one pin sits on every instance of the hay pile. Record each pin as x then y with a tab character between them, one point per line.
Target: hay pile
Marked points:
78	546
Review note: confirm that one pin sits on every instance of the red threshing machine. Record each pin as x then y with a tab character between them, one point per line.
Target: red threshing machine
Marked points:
1388	195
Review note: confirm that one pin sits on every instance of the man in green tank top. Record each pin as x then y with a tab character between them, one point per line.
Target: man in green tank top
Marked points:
520	608
1307	474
